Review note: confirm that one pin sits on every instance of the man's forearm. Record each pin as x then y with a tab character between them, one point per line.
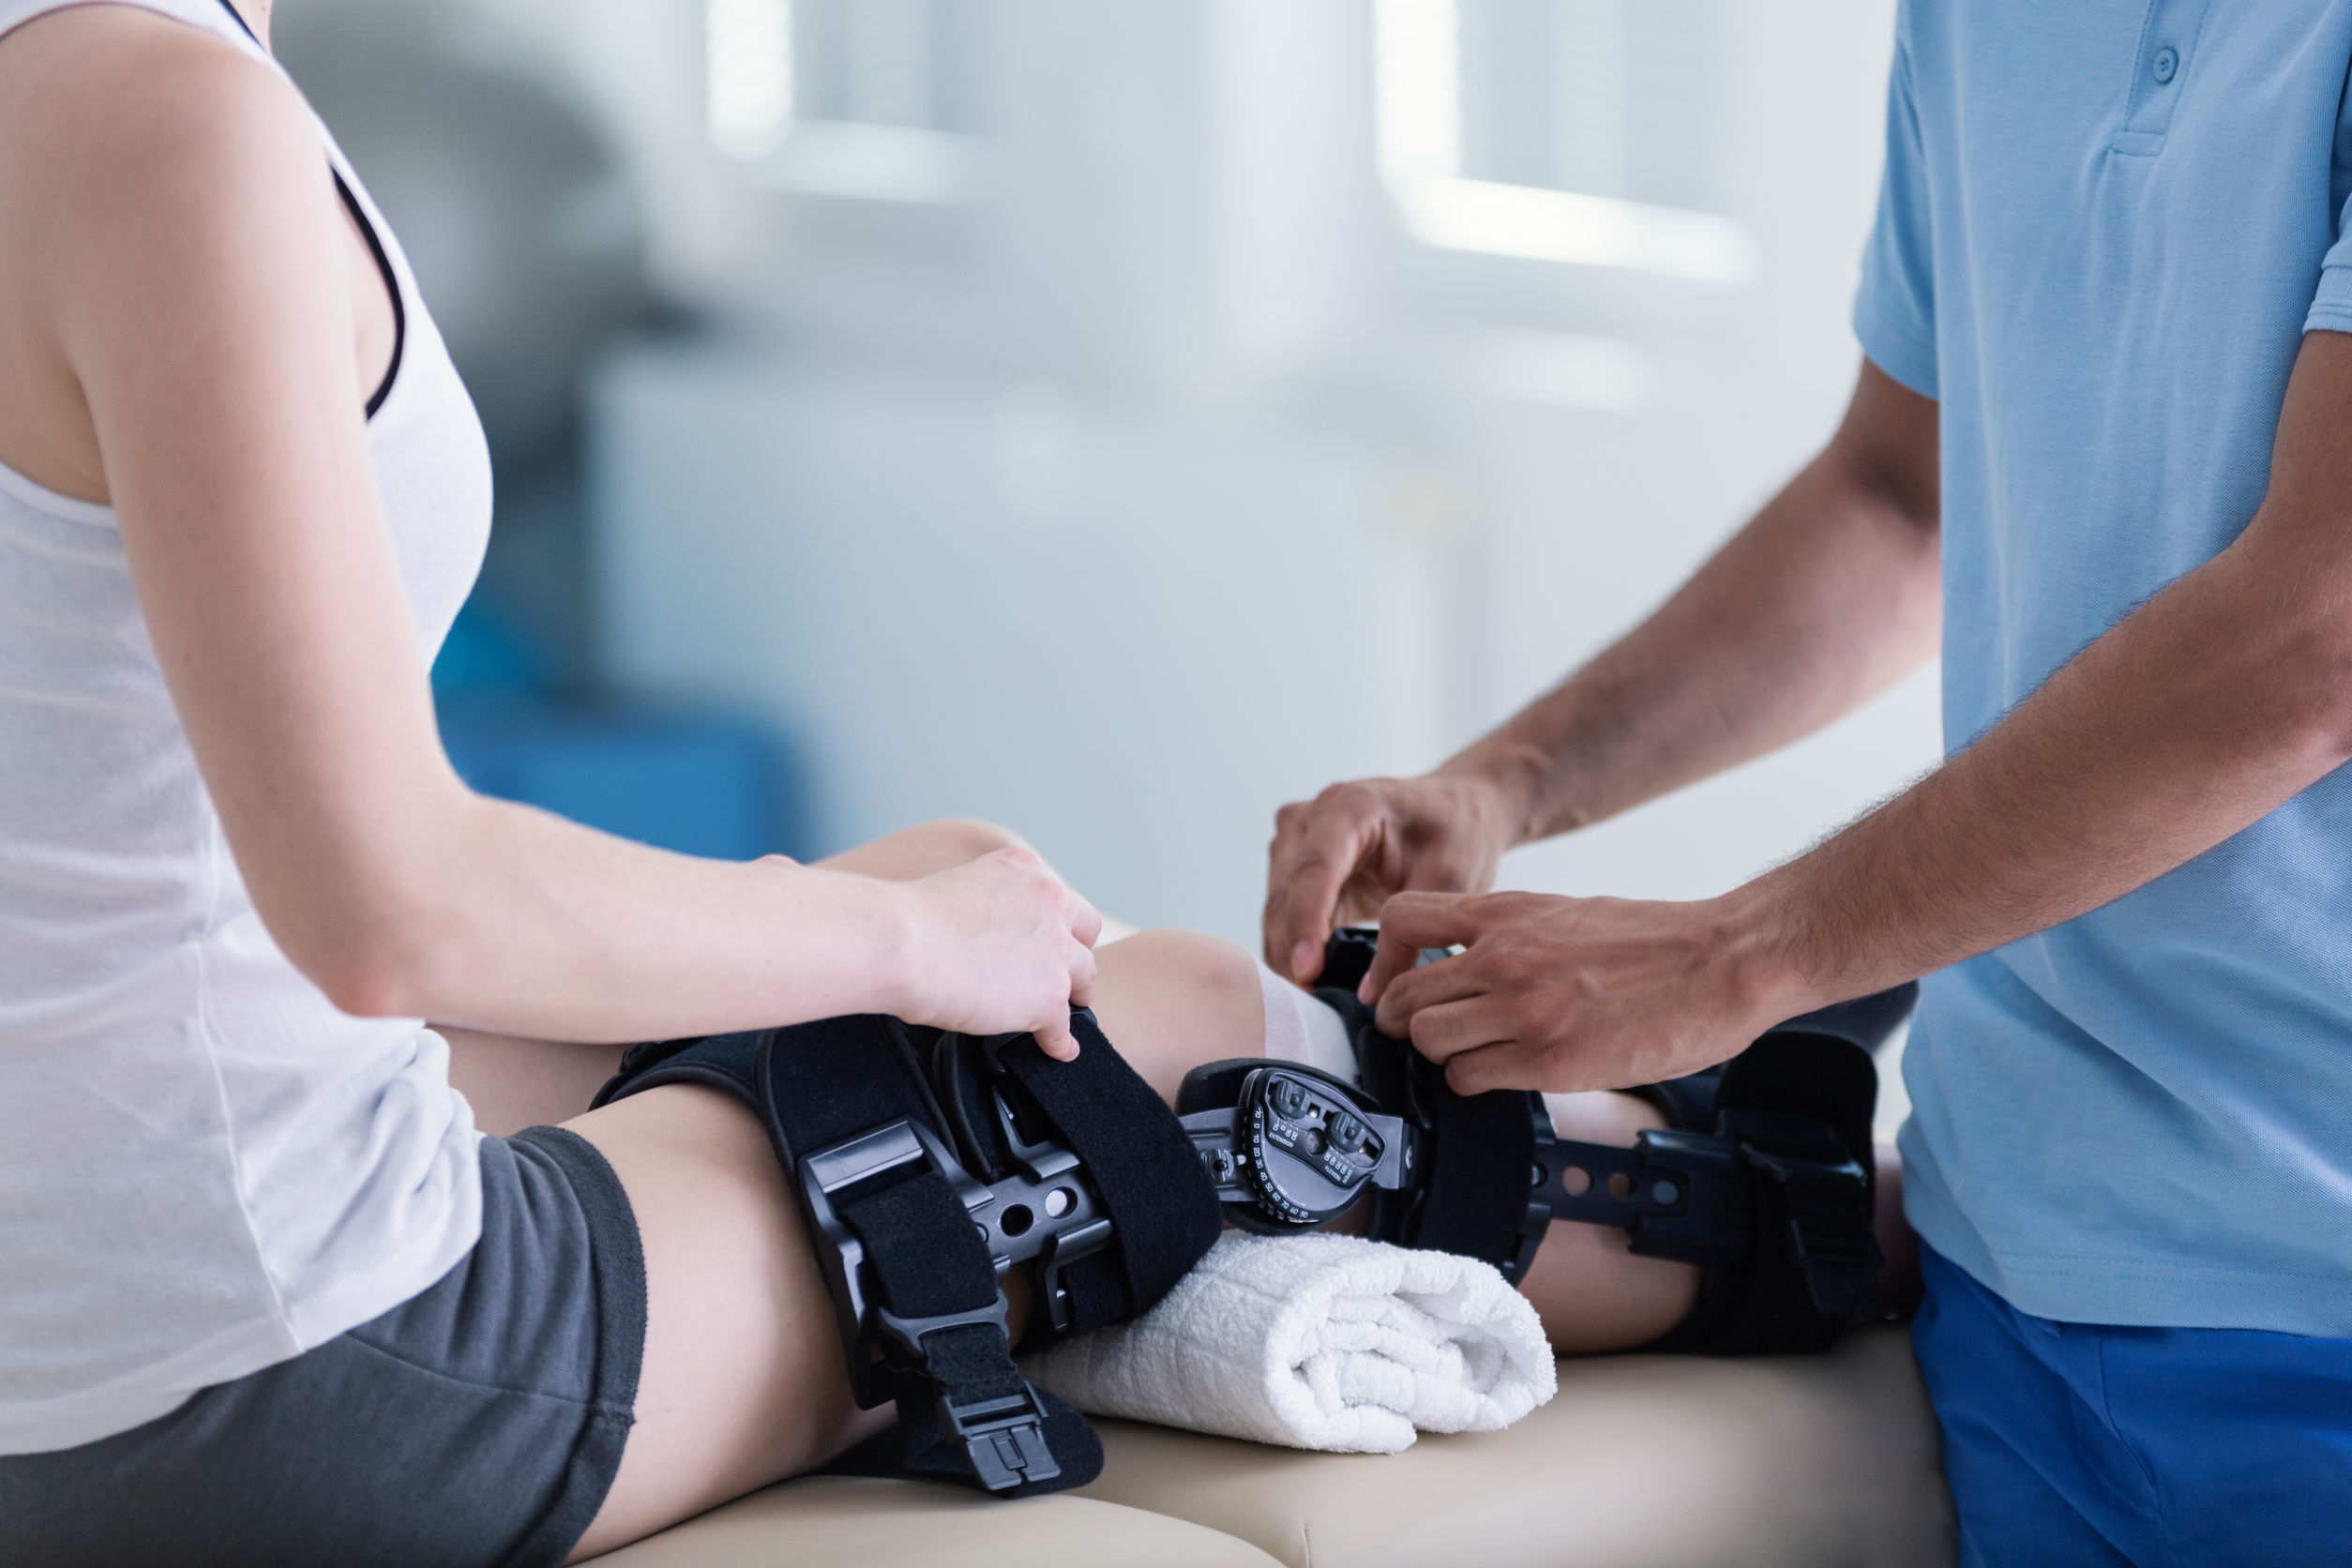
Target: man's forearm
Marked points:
2192	718
1830	596
2195	716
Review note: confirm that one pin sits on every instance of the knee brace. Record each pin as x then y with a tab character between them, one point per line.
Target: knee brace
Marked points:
1764	1176
927	1165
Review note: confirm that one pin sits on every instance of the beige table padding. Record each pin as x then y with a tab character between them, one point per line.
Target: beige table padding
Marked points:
1642	1462
1822	1461
851	1522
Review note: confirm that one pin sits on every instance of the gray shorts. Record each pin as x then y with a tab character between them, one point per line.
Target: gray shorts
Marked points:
479	1423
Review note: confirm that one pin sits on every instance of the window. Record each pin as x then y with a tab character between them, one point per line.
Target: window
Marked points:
1566	131
868	98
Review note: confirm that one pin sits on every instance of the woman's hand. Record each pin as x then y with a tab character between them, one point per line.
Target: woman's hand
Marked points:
1565	994
1339	856
1001	945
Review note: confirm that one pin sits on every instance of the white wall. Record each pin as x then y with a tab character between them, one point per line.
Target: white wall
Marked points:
1172	481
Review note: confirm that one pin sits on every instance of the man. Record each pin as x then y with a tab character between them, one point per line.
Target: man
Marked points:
2107	281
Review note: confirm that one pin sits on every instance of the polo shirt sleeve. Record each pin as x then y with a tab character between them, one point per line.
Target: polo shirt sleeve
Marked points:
1894	311
2331	306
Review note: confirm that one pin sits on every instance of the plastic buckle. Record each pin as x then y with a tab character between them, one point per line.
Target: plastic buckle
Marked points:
1829	1226
1005	1437
906	1332
842	1258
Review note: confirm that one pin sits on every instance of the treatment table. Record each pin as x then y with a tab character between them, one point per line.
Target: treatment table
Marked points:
1642	1461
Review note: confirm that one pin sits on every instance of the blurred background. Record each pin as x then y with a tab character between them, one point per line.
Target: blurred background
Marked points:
1112	417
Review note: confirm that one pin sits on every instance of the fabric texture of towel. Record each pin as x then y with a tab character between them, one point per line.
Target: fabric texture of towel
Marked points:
1321	1342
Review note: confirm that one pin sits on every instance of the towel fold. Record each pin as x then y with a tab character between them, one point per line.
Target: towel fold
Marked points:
1323	1342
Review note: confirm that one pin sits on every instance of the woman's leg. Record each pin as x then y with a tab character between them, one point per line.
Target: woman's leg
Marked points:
940	846
513	1083
743	1381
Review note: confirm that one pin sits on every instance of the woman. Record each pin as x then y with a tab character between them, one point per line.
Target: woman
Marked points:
270	1293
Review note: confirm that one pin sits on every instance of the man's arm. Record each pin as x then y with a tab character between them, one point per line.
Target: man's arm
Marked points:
2193	717
1826	598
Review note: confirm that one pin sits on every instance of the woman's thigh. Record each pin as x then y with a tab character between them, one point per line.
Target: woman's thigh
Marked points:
513	1083
940	845
743	1381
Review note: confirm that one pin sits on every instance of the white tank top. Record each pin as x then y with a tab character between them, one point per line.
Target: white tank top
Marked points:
205	1168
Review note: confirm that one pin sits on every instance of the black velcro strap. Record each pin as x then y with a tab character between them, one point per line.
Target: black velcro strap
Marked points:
1482	1152
829	1080
1137	1153
1797	1107
965	1412
1472	1188
926	1257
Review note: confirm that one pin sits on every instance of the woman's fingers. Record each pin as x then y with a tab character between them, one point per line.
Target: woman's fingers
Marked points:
1085	922
1057	1041
1076	926
1082	972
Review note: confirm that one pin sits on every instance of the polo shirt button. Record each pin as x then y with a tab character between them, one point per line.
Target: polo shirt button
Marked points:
2166	63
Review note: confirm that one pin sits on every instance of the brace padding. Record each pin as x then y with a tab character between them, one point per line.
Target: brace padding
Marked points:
1765	1176
1470	1195
908	1239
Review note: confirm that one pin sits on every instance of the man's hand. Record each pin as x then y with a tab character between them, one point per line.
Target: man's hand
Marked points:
1564	994
1337	858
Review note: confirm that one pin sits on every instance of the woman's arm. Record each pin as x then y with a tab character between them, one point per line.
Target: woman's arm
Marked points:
179	253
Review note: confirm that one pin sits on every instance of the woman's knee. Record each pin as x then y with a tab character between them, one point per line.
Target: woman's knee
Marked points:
1171	1000
926	848
957	839
1213	970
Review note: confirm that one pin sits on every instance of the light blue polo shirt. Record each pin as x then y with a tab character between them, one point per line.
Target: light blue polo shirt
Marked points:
2105	227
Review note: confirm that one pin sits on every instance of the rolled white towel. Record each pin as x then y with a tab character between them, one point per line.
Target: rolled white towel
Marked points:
1324	1342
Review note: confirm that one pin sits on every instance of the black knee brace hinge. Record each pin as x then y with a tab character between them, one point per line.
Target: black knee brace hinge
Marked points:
1764	1176
927	1165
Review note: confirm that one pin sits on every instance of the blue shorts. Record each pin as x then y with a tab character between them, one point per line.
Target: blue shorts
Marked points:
2077	1443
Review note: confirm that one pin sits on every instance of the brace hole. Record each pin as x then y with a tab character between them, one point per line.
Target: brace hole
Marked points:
1577	1180
1016	1218
1621	1186
1060	1201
